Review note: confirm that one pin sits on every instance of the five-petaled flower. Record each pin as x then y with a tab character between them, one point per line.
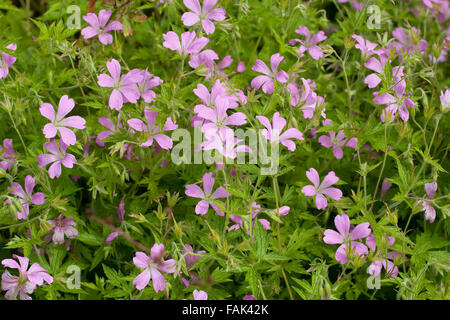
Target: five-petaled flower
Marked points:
346	238
193	190
6	60
321	189
27	280
58	121
189	44
100	26
7	153
153	266
337	141
427	206
204	14
57	157
26	197
273	131
124	87
309	44
62	226
267	81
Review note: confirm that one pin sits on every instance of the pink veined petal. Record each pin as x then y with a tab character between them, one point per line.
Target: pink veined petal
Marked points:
341	254
69	160
208	26
208	182
289	144
67	135
219	193
202	92
313	176
332	237
282	77
164	141
157	252
385	98
372	80
342	223
45	159
136	124
193	190
74	122
261	67
333	193
105	38
329	180
141	260
92	19
208	5
142	280
375	268
103	16
217	14
430	213
159	283
321	201
362	230
430	189
309	190
114	69
259	81
49	130
88	32
337	152
265	223
359	248
106	122
29	184
292	133
236	119
131	93
52	147
171	41
325	141
205	112
202	207
268	86
374	65
318	37
352	143
47	111
275	61
104	80
38	198
23	262
65	106
168	266
189	18
315	52
10	263
55	170
303	31
37	275
193	5
115	100
114	25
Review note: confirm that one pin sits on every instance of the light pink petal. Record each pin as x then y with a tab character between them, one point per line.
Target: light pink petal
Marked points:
45	159
219	193
114	25
114	69
189	18
92	19
202	207
164	141
141	260
115	100
332	237
67	136
208	182
193	5
329	180
168	266
74	122
217	14
103	80
321	201
47	111
159	283
142	279
55	170
341	254
325	141
313	176
88	32
261	67
65	106
309	190
105	38
362	230
372	80
315	52
193	190
342	224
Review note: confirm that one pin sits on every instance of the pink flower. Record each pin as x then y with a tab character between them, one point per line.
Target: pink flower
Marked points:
381	260
209	99
367	48
152	130
346	238
427	206
26	197
27	280
57	157
408	41
153	267
218	118
192	190
204	14
224	142
321	189
256	209
124	87
385	186
398	102
7	153
100	26
273	134
59	123
338	141
148	82
200	295
309	44
267	81
62	226
189	42
240	67
189	256
6	61
108	124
